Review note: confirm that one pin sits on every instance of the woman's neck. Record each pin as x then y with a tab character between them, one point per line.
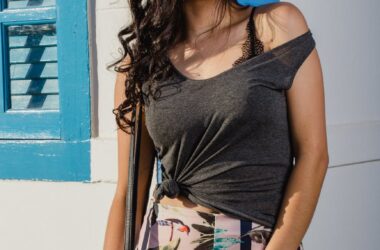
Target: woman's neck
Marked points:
201	15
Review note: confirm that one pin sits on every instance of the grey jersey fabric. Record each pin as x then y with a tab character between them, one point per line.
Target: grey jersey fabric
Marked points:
224	142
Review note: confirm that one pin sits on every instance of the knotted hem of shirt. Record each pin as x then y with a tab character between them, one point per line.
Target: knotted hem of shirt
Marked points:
168	187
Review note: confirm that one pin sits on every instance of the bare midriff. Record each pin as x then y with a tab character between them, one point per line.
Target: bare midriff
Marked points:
182	201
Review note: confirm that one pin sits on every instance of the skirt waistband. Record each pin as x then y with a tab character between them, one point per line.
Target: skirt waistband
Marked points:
189	211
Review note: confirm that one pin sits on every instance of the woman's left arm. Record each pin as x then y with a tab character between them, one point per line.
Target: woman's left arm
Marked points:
308	128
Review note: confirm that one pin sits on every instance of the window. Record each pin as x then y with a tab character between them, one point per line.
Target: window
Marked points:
44	90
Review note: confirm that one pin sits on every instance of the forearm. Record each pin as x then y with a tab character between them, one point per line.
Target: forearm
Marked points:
114	237
299	203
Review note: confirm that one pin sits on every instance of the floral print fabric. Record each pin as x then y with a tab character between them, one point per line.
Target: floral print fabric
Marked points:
167	227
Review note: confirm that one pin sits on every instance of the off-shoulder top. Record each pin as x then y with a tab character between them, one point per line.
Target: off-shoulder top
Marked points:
225	142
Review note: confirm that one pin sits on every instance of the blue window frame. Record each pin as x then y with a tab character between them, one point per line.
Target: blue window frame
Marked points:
44	90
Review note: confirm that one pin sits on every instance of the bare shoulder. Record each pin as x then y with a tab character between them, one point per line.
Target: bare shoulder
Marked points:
280	22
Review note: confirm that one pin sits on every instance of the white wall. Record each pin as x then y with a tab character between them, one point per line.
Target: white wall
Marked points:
110	16
53	215
347	214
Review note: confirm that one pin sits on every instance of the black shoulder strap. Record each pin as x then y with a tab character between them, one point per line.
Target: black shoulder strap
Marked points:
133	169
251	46
257	47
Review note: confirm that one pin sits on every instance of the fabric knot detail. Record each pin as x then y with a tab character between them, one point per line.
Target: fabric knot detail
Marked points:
167	187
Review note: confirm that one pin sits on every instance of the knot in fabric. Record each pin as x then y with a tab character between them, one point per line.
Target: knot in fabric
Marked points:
168	187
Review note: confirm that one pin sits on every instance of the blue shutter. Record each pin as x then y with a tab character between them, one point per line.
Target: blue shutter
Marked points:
33	75
18	4
44	90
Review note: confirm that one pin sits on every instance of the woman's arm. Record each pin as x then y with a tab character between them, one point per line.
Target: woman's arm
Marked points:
308	126
114	236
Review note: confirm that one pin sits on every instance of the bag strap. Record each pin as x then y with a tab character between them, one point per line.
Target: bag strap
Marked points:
133	170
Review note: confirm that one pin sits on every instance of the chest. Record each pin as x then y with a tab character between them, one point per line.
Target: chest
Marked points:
191	107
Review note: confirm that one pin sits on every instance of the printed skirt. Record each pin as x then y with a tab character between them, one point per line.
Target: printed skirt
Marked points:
181	228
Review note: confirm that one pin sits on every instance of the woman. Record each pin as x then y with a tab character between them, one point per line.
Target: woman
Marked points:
230	95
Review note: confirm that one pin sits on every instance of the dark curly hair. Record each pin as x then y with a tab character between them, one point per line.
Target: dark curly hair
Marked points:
155	28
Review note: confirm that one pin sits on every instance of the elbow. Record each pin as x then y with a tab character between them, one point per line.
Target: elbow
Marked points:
320	165
319	156
322	155
320	161
326	158
323	161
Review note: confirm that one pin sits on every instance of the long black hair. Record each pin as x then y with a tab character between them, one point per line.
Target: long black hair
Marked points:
156	26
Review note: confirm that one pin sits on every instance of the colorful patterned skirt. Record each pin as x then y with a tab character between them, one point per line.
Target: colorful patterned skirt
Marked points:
182	228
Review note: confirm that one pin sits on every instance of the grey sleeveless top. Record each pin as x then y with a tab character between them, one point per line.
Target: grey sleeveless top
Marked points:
224	142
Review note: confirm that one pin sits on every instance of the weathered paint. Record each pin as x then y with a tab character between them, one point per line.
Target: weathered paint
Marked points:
50	144
30	125
45	160
29	14
28	3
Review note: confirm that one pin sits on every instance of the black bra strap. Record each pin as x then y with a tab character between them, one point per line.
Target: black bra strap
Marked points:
252	46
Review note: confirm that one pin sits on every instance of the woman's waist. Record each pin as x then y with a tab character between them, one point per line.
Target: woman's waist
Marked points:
184	202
